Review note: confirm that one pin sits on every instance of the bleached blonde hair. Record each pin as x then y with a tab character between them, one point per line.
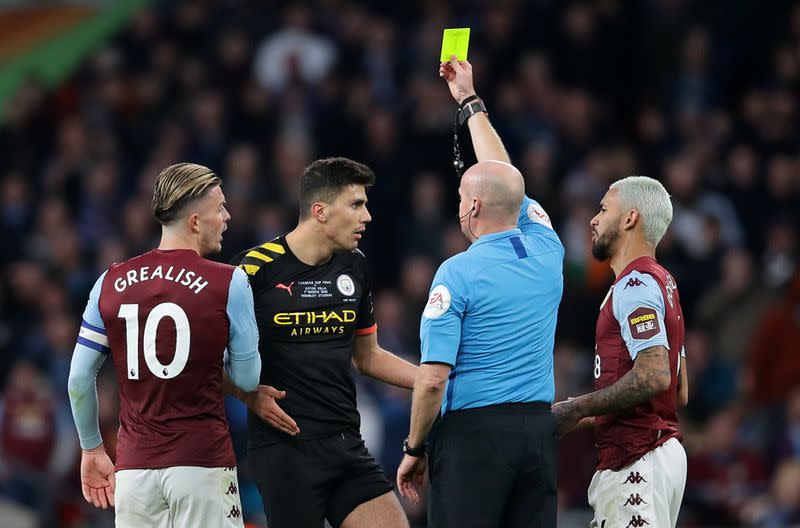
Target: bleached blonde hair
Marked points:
651	199
178	185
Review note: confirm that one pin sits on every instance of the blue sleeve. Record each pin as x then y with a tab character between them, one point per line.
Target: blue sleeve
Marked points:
532	217
90	352
243	364
638	305
82	387
440	328
92	333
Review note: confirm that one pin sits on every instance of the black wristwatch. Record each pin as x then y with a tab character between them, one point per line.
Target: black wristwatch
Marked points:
415	452
469	107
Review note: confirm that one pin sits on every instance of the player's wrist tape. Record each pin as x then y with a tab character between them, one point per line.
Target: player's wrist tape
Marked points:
415	452
469	107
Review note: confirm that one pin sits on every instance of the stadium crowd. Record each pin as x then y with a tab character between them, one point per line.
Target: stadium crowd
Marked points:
704	96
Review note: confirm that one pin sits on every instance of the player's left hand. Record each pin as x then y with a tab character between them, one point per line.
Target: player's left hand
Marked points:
411	476
98	480
567	417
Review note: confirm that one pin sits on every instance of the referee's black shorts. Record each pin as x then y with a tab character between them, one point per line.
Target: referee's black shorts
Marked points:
494	467
304	482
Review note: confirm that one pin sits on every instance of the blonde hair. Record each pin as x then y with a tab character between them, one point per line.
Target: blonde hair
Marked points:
179	184
651	199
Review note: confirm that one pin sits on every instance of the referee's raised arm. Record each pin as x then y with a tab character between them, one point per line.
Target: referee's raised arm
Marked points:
487	144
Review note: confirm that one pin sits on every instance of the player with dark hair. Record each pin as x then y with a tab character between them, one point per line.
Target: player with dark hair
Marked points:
167	317
314	311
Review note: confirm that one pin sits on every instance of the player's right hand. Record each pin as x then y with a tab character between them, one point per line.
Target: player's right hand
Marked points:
459	78
262	401
98	480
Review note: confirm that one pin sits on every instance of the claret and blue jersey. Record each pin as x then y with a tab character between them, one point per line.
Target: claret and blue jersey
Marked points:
492	312
166	319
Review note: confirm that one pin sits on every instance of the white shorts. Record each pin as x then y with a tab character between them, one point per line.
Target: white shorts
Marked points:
182	496
647	493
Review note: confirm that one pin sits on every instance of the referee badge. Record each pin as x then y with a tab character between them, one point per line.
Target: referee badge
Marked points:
345	285
538	215
438	302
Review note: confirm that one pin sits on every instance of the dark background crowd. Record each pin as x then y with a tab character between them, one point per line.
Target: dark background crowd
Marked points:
701	95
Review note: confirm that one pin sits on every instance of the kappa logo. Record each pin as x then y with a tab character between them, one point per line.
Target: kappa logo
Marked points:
236	512
282	286
633	282
636	522
233	491
634	478
634	500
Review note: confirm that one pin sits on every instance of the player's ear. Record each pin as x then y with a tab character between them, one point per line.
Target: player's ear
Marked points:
318	211
193	222
630	219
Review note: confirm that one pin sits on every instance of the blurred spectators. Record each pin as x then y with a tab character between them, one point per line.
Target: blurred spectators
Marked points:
772	368
702	95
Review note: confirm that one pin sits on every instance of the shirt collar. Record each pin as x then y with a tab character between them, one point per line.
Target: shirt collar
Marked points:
496	236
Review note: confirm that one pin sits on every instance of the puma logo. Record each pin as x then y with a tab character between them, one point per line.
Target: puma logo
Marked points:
282	286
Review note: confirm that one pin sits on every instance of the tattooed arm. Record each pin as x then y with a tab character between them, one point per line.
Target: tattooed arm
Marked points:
649	377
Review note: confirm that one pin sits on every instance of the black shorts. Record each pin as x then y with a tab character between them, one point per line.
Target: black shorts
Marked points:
494	467
304	482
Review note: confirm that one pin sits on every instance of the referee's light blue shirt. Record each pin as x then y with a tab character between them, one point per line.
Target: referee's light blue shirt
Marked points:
491	314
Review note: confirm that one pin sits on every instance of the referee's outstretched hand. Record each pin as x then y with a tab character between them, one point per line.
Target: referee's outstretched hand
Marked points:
263	402
458	75
411	477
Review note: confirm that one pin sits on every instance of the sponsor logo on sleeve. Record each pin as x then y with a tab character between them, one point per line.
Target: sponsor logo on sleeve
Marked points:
438	302
538	215
643	323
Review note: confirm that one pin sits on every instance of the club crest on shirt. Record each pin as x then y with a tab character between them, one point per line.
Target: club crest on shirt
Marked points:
438	302
345	285
643	323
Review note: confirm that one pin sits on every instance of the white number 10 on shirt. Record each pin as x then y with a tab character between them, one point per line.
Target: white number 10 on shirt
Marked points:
130	312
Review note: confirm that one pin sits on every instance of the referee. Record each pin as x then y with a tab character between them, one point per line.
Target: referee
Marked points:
487	337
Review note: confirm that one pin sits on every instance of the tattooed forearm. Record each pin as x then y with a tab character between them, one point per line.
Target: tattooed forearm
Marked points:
649	377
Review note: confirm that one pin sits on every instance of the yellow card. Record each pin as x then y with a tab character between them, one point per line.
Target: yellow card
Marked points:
455	41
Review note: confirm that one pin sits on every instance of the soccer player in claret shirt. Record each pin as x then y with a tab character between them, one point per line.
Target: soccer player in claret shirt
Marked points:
314	313
167	317
639	366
